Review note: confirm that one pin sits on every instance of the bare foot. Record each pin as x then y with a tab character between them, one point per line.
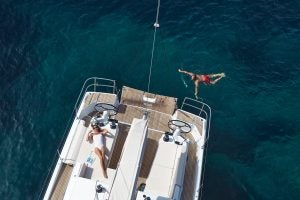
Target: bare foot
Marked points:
105	174
223	75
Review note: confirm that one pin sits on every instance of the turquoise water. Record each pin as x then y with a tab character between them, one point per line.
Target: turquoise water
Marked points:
48	49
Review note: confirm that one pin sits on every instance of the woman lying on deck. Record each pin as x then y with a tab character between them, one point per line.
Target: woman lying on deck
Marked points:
97	136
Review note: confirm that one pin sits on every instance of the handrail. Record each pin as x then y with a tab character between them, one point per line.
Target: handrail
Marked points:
200	109
94	82
109	86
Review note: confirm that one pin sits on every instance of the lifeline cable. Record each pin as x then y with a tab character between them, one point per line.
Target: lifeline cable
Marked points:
156	25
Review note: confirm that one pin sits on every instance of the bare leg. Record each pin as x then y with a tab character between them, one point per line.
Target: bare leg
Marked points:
216	80
196	88
216	75
101	155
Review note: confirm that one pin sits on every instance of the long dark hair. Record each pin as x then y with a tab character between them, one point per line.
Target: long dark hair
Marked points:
96	126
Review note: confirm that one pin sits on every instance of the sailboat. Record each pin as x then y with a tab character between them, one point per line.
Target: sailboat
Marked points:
153	148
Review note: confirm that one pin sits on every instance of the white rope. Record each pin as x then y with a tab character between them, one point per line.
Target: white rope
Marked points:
156	25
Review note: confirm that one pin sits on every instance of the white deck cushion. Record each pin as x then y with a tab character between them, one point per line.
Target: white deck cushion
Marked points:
163	164
178	172
80	188
130	162
170	162
75	141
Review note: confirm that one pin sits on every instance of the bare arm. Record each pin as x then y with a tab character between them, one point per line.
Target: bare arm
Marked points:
89	135
104	131
185	72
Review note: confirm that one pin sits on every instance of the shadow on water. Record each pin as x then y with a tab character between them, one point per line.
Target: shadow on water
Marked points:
253	60
221	178
275	130
241	149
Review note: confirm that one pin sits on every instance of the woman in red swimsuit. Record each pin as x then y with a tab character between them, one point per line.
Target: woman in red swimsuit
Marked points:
206	79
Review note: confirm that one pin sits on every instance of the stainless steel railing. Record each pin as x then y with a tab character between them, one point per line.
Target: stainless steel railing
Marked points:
200	109
93	84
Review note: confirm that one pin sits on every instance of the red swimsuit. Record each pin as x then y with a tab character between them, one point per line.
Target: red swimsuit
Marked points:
205	79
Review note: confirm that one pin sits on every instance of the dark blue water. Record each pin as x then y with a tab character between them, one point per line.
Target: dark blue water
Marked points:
48	48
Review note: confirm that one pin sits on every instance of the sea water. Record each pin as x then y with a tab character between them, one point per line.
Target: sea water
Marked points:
48	49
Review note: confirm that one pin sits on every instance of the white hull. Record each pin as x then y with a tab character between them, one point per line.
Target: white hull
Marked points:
139	162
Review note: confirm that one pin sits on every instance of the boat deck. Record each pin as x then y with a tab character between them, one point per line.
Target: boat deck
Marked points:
133	105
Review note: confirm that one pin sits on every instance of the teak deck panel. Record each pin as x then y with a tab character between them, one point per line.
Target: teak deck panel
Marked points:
117	151
134	97
189	176
150	151
62	182
157	120
99	97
